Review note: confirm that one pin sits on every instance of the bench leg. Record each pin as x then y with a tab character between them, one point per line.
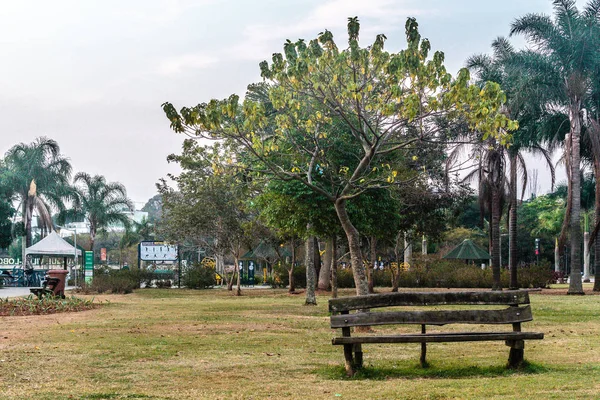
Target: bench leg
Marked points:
517	350
423	359
349	360
358	356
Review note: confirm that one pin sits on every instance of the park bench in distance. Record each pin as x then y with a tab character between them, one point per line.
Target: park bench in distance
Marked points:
518	311
48	289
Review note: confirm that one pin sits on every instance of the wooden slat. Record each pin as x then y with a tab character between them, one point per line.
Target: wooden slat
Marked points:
509	315
441	337
507	297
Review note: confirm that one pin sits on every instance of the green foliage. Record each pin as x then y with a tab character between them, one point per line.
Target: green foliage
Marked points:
209	208
453	274
31	305
198	276
121	281
281	278
6	209
99	202
38	176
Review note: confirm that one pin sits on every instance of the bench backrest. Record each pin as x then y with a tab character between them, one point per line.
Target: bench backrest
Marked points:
514	314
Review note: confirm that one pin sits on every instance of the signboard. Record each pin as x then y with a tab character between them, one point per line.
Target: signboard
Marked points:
88	266
241	272
250	280
103	254
157	251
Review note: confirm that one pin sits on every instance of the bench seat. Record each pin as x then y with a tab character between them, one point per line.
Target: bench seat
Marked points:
439	337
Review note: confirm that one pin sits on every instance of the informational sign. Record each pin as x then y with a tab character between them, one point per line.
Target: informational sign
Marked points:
157	251
250	280
241	272
103	254
88	266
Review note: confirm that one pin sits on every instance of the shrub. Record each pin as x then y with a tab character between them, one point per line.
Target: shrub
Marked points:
453	274
199	276
281	277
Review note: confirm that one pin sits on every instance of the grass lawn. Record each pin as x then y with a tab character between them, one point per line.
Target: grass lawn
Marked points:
179	344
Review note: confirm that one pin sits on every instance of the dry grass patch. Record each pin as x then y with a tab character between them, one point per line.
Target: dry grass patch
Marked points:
172	344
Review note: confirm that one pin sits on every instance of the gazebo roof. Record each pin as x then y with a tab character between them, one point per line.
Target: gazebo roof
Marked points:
265	251
468	250
52	245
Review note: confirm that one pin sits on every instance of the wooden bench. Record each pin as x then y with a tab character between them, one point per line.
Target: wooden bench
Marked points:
47	289
518	311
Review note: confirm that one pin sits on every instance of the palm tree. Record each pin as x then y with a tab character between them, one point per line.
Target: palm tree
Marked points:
562	65
38	175
99	202
518	106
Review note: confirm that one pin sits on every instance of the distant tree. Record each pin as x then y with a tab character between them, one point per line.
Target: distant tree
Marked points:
562	63
524	106
100	203
38	177
154	208
6	209
209	207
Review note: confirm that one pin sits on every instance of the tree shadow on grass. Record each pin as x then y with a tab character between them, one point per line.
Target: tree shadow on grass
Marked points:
411	371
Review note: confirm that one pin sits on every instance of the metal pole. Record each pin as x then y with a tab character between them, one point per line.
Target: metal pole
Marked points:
179	262
75	257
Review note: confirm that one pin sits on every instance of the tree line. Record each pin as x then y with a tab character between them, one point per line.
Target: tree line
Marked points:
333	134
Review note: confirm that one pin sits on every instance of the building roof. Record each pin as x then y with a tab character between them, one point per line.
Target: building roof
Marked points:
468	250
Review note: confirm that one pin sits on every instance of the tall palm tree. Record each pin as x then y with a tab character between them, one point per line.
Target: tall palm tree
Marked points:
499	68
562	65
99	202
38	175
488	169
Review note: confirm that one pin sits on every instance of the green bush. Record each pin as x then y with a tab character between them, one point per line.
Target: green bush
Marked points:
453	274
281	277
108	280
198	276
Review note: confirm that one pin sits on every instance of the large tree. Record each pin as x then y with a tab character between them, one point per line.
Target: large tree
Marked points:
562	63
387	104
99	203
521	105
38	176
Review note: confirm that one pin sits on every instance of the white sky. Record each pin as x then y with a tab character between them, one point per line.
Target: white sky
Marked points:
93	74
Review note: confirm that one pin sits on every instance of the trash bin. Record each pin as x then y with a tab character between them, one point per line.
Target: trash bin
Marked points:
61	275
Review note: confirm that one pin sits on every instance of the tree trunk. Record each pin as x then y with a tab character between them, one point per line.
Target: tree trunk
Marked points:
292	286
317	260
92	237
309	256
238	289
495	228
358	268
596	219
396	272
575	284
562	238
334	286
371	266
512	229
28	218
325	272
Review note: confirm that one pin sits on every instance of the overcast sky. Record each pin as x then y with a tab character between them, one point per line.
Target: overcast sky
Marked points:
92	74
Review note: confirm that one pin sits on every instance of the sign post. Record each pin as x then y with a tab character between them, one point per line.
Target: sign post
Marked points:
89	266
